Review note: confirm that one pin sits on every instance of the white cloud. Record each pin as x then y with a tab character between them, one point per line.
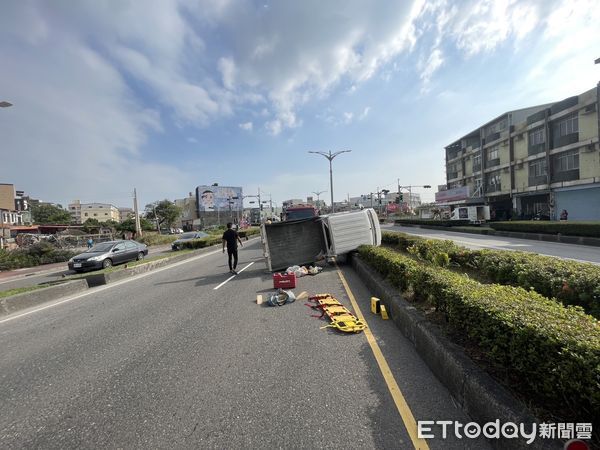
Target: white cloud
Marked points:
364	113
246	126
192	140
429	67
227	69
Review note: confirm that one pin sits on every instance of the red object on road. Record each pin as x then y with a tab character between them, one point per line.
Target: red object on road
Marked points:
284	280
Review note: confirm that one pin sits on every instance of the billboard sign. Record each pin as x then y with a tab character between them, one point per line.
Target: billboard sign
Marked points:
218	198
392	207
450	195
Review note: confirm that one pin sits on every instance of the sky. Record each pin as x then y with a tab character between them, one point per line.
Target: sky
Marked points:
164	96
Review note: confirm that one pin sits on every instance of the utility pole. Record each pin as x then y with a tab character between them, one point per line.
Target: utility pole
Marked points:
138	228
259	206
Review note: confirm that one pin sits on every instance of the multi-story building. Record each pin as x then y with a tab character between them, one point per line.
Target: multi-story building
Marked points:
531	162
9	214
80	212
189	212
126	213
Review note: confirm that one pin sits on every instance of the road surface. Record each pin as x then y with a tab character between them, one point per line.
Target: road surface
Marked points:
184	357
583	253
48	273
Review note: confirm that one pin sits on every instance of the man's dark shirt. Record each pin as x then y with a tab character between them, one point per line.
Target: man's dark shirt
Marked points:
231	237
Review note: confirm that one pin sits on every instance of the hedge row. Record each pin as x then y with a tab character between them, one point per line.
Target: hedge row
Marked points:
570	282
553	350
217	239
437	223
34	255
587	229
157	239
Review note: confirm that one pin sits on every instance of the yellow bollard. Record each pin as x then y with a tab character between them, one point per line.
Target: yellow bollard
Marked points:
375	304
384	314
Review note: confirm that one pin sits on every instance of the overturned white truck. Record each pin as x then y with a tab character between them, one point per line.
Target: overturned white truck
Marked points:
305	241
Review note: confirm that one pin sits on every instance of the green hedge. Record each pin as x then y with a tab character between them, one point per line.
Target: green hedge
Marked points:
436	223
551	351
570	282
34	255
586	229
157	239
216	239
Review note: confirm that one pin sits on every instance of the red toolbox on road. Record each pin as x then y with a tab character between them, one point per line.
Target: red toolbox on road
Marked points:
284	280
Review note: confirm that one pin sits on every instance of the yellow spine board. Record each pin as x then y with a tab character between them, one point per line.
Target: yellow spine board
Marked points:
341	318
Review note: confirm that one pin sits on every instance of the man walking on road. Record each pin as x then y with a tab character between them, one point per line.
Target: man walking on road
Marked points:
231	238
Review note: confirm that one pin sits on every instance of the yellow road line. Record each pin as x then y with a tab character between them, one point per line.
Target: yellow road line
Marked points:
401	405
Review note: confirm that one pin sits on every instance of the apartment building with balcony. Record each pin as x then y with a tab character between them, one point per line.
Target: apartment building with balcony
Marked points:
531	162
102	212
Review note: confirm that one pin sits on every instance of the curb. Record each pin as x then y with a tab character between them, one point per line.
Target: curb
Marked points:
481	397
559	238
18	302
100	279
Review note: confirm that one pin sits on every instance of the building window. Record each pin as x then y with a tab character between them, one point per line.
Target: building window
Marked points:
493	156
106	214
537	137
476	163
493	182
85	214
568	125
452	171
95	214
538	168
566	161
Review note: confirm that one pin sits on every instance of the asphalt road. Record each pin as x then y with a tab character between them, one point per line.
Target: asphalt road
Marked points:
54	272
165	360
583	253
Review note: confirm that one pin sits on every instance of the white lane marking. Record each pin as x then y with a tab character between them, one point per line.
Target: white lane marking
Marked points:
108	286
232	277
111	285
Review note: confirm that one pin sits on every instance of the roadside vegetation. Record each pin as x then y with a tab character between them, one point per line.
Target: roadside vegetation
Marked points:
34	255
522	316
586	229
11	292
566	228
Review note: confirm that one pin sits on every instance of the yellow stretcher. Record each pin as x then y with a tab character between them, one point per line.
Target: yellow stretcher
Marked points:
341	318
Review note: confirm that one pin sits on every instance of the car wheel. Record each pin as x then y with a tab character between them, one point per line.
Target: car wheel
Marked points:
140	256
107	263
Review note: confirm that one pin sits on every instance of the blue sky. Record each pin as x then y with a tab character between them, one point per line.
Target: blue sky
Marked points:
168	95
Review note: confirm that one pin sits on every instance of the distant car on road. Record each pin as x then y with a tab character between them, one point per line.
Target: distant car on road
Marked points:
176	245
108	254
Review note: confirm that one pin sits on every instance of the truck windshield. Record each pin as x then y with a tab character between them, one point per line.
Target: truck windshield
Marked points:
304	213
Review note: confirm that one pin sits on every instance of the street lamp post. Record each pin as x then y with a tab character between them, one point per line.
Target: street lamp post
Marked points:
318	194
330	156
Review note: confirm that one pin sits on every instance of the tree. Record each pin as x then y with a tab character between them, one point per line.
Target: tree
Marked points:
49	214
91	225
165	211
129	225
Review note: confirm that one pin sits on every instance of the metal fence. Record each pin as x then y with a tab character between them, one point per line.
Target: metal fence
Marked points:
61	241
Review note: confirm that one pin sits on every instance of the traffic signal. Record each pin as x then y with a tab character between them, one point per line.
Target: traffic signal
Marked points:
400	197
261	206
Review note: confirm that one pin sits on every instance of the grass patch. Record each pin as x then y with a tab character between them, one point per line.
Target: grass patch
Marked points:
16	291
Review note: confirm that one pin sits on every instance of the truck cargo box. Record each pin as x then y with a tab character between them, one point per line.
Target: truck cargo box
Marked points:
305	241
